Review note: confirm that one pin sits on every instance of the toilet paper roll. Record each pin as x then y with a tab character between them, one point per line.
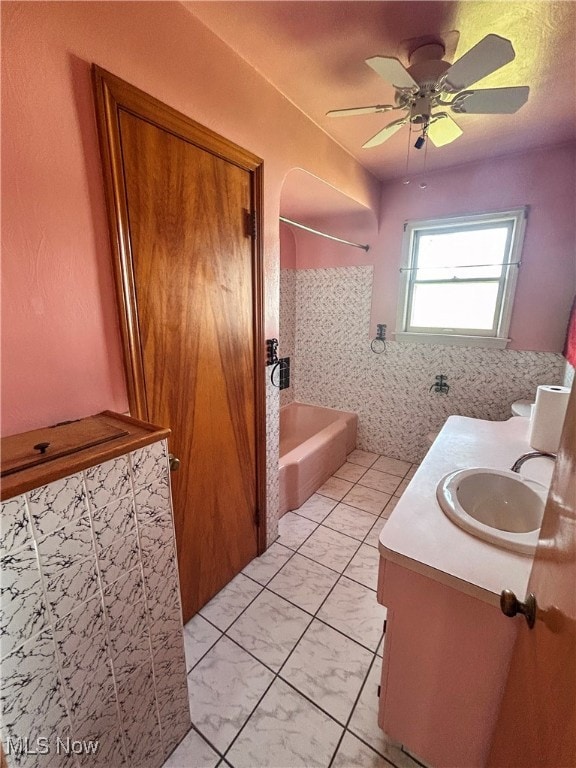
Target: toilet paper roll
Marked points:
548	418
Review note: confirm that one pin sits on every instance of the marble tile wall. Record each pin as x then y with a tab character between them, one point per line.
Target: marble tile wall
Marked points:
91	642
287	331
391	391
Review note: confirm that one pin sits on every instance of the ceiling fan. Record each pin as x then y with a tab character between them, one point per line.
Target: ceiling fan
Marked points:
431	86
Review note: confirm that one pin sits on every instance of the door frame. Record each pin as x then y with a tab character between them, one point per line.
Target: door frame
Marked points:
111	95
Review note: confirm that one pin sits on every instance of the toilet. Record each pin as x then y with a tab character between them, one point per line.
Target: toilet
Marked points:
522	408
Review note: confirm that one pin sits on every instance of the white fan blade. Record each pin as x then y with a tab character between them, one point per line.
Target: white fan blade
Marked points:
384	134
443	131
491	53
491	101
392	71
360	110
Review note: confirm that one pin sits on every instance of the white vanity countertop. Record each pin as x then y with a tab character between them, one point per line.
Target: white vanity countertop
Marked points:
420	537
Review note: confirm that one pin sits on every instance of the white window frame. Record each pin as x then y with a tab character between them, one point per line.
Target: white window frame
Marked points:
498	337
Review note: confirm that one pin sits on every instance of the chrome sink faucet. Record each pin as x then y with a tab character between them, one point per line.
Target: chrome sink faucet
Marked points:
531	455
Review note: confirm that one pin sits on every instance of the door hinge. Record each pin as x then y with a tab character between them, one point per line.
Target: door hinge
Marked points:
384	626
257	516
250	223
379	690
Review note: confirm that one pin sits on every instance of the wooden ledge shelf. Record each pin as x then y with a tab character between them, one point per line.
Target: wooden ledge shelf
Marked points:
36	458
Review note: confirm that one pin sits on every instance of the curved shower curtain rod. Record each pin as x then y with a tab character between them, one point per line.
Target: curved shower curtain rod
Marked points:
323	234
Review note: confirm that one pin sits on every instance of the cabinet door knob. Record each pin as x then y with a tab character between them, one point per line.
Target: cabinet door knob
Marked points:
511	606
42	447
174	462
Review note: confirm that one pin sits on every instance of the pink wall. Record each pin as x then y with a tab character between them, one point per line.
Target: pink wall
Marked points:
545	180
287	247
61	353
356	226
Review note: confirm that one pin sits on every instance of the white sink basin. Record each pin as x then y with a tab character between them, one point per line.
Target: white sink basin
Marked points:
495	505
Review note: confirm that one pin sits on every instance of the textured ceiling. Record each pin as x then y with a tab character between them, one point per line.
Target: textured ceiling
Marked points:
313	52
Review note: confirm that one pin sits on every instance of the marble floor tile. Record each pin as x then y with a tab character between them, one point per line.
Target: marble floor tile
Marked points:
304	582
389	508
328	668
349	471
335	488
363	567
329	548
316	507
353	752
352	609
402	487
192	752
380	481
364	458
224	689
374	533
228	604
392	466
294	530
364	721
265	567
285	730
367	499
199	637
350	520
269	628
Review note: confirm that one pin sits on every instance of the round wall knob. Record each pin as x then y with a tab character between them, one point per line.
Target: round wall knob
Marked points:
511	606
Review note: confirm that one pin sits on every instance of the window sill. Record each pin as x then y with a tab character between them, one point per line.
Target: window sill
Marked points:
491	342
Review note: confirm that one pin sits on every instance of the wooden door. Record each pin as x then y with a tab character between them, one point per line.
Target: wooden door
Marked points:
537	722
190	282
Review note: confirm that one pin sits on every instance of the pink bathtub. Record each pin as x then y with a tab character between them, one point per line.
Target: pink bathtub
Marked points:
314	442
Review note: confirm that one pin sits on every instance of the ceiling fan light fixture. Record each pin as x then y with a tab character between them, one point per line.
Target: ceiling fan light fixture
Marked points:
421	111
424	86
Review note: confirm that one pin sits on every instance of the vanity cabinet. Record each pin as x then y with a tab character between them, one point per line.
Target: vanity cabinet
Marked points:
446	657
448	646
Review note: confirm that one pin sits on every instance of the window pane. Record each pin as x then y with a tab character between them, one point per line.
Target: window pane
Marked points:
456	250
464	306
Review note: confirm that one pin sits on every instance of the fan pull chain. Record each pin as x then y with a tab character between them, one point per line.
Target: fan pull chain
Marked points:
407	180
423	184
